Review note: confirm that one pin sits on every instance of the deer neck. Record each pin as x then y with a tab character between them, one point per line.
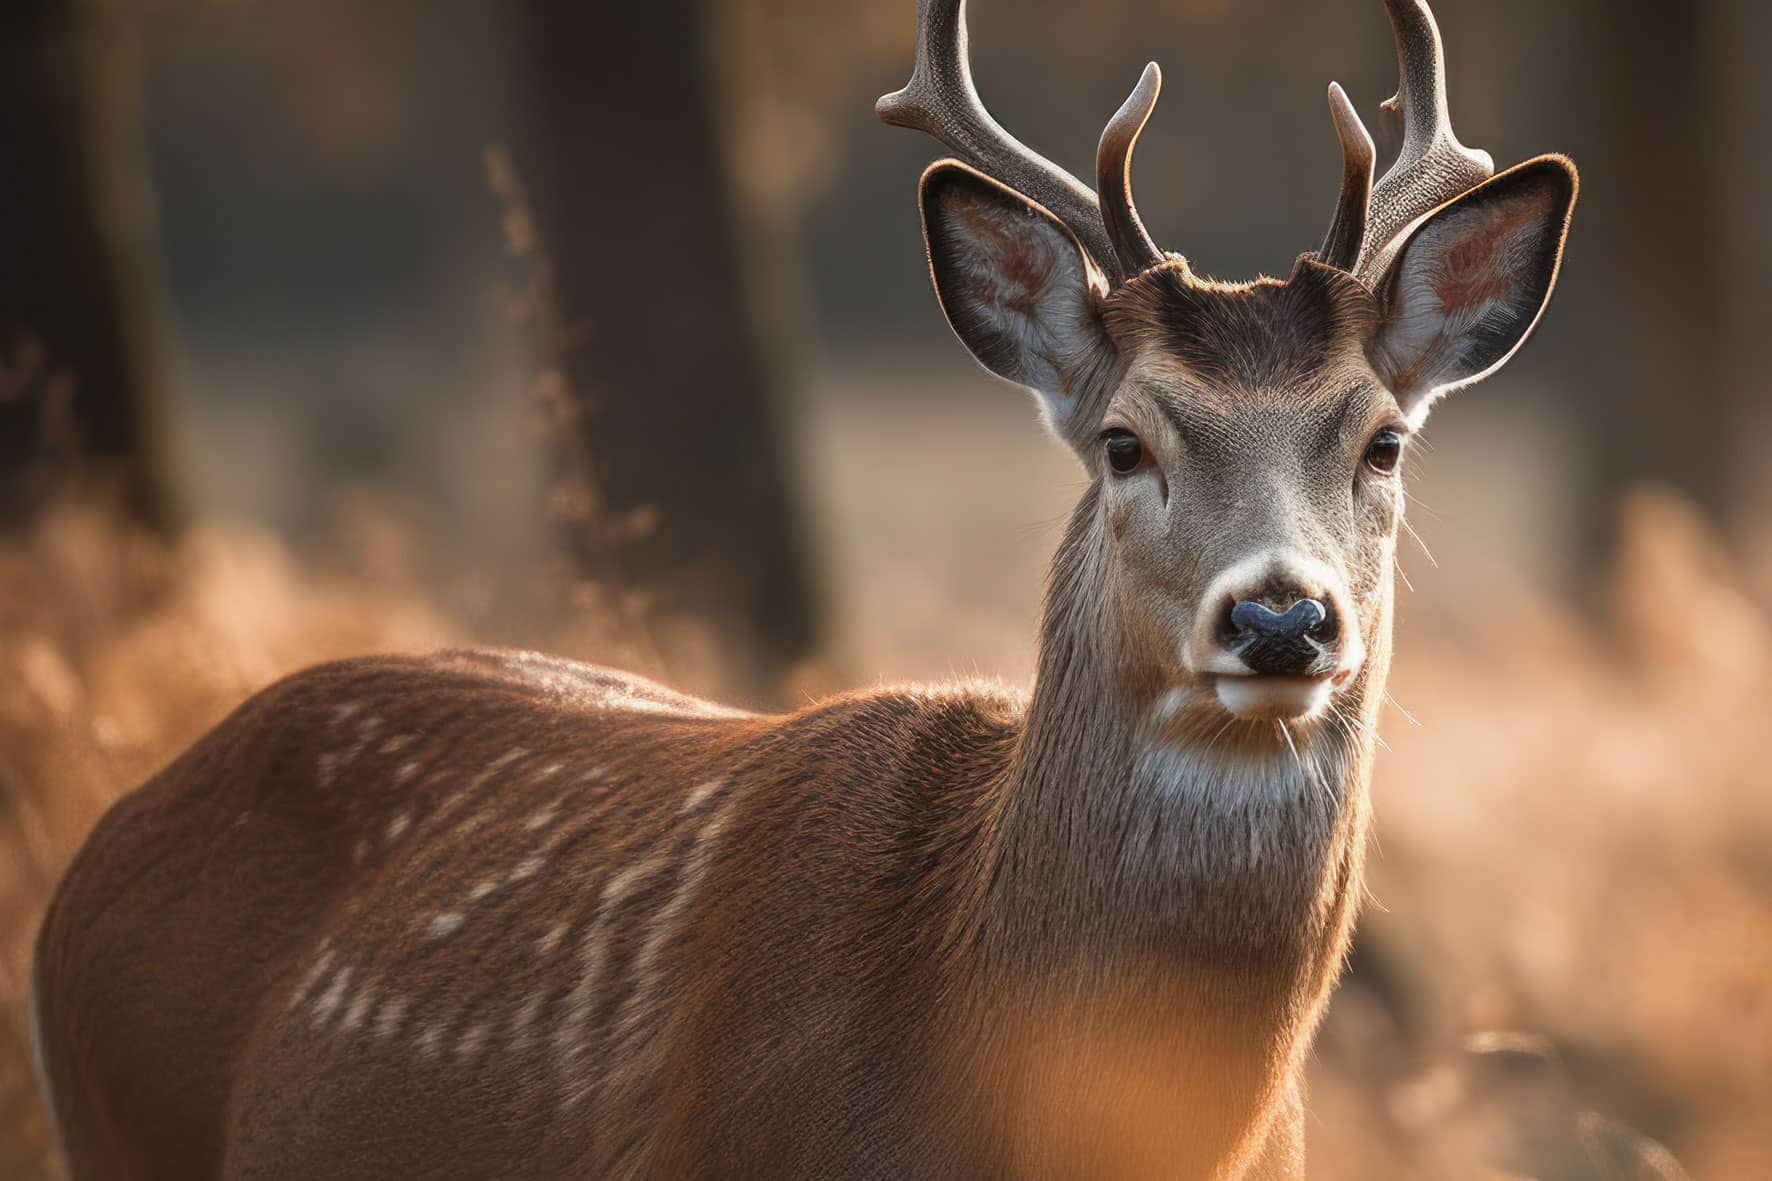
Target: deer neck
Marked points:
1163	917
1135	850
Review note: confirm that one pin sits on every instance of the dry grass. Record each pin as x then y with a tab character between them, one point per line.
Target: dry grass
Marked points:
1576	874
116	652
1571	946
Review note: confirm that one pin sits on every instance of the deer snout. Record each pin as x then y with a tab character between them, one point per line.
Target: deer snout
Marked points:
1276	637
1283	643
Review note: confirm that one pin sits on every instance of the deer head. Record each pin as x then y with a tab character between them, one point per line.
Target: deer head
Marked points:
1245	440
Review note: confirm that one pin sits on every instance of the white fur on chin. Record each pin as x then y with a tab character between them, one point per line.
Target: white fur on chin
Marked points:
1272	697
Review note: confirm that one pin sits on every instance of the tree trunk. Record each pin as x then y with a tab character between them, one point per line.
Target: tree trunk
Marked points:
1652	385
635	212
1741	172
75	328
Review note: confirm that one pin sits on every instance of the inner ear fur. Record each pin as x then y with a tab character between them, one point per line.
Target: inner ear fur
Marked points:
1018	289
1471	282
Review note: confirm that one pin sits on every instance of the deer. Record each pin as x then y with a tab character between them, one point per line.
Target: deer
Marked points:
489	914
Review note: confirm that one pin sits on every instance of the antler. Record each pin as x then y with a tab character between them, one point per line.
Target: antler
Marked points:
941	101
1113	175
1347	233
1432	167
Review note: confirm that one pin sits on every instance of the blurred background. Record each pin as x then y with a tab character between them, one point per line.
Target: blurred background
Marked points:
353	325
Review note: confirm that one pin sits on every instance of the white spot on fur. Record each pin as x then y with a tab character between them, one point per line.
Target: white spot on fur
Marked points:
476	821
393	1011
664	924
523	1021
524	869
500	763
429	1040
395	743
700	795
398	825
344	711
359	1009
622	884
455	798
571	1035
542	818
326	768
442	926
470	1043
481	890
318	969
551	938
636	1023
328	1002
365	735
407	770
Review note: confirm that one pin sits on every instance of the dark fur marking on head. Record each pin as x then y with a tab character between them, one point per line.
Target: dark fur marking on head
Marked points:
1264	335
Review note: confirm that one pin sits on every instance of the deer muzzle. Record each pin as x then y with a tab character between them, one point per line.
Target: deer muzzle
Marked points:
1280	643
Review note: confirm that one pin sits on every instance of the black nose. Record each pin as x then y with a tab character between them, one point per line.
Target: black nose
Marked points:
1282	642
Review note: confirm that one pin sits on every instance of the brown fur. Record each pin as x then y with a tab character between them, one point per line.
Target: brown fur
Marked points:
1251	337
180	1054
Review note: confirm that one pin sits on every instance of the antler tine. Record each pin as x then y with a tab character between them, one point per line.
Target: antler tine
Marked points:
942	102
1432	167
1346	239
1113	175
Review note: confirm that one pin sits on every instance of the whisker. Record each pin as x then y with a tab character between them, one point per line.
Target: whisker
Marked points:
1425	551
1416	504
1222	730
1409	717
1298	760
1354	726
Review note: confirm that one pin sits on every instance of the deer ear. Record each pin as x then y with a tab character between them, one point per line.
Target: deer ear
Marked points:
1469	283
1017	289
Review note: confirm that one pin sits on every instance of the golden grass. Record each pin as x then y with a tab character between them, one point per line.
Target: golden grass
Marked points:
1576	874
116	652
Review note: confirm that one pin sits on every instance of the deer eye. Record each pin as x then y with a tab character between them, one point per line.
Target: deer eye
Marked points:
1385	450
1124	452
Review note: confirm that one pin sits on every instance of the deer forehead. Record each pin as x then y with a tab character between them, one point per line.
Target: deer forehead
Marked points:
1223	351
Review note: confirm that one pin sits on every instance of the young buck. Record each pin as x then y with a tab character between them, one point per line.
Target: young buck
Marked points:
496	915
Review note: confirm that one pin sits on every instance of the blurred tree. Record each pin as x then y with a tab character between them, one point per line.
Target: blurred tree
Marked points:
664	349
1647	257
1740	41
76	371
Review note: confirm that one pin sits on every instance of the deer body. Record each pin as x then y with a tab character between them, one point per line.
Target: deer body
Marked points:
494	915
486	915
